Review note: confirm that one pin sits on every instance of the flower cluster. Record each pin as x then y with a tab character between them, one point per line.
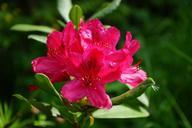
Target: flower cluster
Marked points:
88	59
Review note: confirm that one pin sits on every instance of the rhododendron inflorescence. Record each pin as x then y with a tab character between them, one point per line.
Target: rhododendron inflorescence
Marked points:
89	55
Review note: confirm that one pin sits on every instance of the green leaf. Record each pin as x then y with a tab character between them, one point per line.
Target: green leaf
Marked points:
6	113
76	14
106	10
44	107
45	84
61	23
55	112
39	38
115	86
64	7
144	99
20	97
28	28
133	93
44	123
121	111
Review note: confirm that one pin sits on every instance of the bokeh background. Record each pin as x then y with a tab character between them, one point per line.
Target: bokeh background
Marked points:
162	26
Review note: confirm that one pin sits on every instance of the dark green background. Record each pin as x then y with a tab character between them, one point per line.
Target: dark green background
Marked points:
162	26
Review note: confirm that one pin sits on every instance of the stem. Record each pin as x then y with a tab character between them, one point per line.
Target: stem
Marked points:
84	122
133	93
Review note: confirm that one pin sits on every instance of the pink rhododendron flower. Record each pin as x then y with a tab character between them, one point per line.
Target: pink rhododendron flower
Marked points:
90	56
132	75
90	76
58	44
93	33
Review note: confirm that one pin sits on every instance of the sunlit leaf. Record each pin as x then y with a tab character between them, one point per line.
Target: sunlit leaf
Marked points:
106	10
39	38
55	112
28	28
76	14
43	122
64	7
121	111
144	99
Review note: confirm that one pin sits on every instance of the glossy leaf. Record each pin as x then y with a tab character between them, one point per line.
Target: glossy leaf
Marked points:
121	111
134	93
76	14
64	7
39	38
28	28
108	9
45	84
144	99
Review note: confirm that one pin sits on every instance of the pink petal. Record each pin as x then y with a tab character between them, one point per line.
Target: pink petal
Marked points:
98	97
68	33
131	46
133	76
50	67
111	38
119	58
115	62
54	40
110	75
86	37
93	33
75	46
73	91
54	44
92	61
72	65
71	38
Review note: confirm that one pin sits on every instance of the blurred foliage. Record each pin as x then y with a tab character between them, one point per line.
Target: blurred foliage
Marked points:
162	26
9	120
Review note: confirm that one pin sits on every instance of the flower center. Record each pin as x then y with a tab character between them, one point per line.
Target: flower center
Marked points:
90	81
